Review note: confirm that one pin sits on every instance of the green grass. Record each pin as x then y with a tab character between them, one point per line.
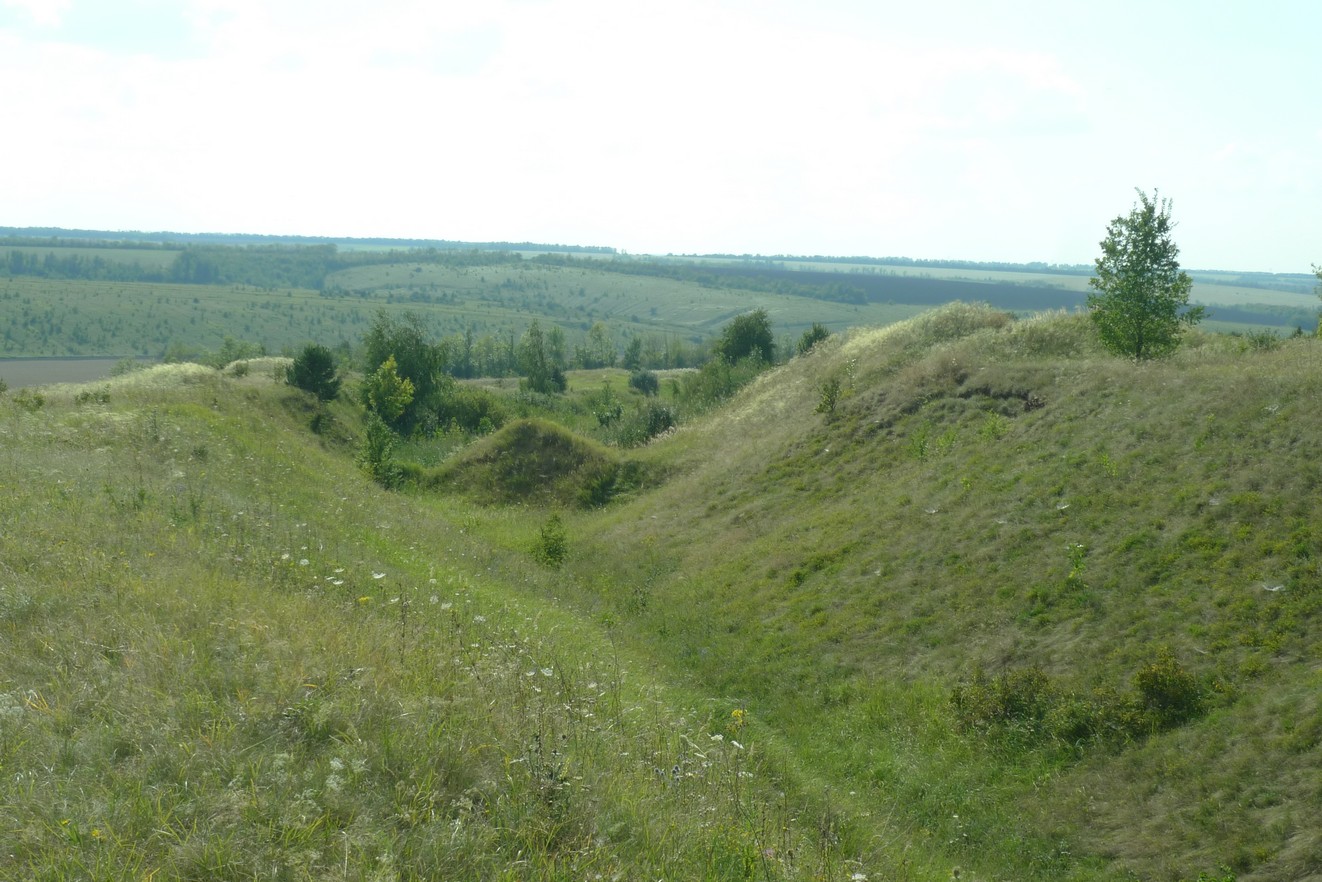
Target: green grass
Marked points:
807	563
226	655
203	676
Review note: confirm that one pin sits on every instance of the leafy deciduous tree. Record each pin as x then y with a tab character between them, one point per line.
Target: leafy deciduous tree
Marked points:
747	335
1141	300
633	354
540	373
416	359
387	394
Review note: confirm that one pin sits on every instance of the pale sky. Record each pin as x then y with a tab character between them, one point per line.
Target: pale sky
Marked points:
973	130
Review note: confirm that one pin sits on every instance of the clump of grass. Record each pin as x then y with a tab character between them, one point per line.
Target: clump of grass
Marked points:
1026	706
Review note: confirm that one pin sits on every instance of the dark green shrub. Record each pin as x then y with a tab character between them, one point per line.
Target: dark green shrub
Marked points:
472	409
645	382
645	424
1260	341
811	337
1025	705
314	371
829	395
1105	715
1167	692
611	480
716	381
747	336
377	455
29	400
552	545
96	396
403	341
1020	698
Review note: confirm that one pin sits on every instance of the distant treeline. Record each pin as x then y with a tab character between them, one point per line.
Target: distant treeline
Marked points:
1265	314
59	237
261	266
1301	283
840	287
1070	269
1294	283
54	265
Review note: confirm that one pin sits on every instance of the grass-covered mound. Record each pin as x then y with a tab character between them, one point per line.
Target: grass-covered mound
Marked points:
537	462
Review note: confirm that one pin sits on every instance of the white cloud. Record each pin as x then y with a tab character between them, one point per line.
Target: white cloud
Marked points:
689	126
43	13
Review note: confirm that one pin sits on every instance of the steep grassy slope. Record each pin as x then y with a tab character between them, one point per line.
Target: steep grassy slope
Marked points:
1002	497
225	655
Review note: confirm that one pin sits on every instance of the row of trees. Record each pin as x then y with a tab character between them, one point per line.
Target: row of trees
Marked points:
467	355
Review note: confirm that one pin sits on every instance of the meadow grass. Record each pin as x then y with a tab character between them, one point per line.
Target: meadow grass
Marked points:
227	655
998	495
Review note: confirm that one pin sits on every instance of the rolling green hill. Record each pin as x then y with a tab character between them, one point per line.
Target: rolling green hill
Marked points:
1009	609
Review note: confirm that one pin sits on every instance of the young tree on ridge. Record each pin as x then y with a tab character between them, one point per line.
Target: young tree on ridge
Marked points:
1141	302
314	371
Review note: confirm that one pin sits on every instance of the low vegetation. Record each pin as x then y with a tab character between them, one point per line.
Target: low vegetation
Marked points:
965	596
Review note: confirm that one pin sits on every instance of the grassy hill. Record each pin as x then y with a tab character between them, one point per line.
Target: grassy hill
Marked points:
1010	609
999	497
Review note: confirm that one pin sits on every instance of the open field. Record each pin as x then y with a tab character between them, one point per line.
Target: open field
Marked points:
46	317
498	294
73	317
43	371
1212	288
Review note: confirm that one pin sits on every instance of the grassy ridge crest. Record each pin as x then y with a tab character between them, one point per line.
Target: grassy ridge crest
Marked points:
999	496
